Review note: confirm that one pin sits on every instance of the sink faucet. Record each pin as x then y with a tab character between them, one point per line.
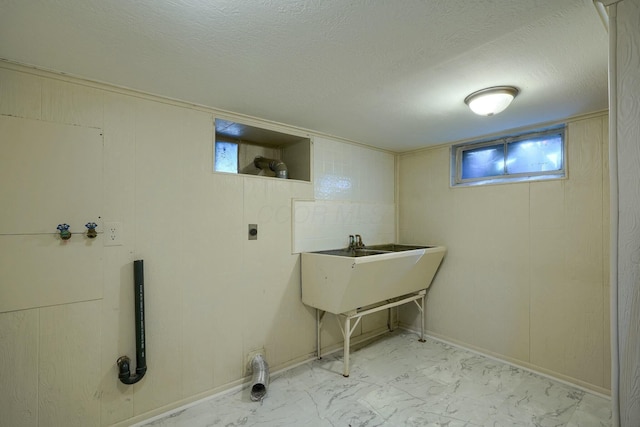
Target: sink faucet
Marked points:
352	242
359	243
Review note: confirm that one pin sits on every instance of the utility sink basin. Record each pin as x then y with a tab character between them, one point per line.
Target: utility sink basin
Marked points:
396	247
343	280
352	252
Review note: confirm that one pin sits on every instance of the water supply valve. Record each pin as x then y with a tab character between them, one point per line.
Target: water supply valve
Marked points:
65	234
91	229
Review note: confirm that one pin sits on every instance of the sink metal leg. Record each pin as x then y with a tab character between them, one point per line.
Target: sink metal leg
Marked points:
422	307
347	336
347	327
319	315
347	331
422	317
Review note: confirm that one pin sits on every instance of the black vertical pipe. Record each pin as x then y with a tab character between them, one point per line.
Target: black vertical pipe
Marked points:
138	278
141	357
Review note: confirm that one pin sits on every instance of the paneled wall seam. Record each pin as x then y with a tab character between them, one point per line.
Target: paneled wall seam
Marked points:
605	244
628	136
41	100
530	275
38	310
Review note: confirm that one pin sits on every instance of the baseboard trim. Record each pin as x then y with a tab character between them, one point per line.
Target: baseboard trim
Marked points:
183	404
564	379
363	339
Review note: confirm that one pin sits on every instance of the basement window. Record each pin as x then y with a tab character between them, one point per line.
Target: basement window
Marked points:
526	157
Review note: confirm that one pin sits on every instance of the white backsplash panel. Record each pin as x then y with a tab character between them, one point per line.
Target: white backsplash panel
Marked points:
323	224
354	194
350	172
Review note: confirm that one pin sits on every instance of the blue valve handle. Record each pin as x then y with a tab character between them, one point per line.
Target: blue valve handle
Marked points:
91	230
65	234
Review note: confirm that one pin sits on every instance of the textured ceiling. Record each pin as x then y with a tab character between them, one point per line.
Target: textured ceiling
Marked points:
387	73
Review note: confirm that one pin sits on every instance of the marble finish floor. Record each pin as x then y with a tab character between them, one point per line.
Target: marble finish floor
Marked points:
398	381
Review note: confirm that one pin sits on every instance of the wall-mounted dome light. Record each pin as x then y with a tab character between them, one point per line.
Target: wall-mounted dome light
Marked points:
492	100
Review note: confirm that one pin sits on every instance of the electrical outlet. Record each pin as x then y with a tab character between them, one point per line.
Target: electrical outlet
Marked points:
113	234
249	358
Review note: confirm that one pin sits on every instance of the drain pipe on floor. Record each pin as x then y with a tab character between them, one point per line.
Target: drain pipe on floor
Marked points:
124	362
260	379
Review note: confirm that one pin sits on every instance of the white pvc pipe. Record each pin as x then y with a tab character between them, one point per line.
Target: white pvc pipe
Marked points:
613	190
602	11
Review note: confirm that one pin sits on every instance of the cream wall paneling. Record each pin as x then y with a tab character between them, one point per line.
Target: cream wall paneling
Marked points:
39	170
40	167
523	278
625	170
158	182
19	369
68	369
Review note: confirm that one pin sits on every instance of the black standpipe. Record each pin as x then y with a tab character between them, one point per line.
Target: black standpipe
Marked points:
141	359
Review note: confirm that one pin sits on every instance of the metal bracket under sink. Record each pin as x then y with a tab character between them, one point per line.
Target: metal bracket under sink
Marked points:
348	328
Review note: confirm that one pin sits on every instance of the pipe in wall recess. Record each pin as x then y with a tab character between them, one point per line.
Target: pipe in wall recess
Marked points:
260	379
275	165
124	364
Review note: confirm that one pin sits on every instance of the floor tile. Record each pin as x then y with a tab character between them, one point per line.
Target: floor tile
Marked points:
399	381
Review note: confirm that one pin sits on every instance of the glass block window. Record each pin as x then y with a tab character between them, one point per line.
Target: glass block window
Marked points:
526	157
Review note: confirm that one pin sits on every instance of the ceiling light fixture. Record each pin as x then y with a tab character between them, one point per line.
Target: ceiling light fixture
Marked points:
492	100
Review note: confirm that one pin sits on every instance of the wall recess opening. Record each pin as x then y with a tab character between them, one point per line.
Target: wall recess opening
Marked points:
250	150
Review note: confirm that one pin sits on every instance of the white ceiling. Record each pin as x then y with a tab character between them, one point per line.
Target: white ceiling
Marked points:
387	73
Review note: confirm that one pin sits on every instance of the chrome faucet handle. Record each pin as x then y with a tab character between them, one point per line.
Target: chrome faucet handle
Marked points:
352	241
359	243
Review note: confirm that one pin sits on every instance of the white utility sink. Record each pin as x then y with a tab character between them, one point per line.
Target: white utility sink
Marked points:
342	280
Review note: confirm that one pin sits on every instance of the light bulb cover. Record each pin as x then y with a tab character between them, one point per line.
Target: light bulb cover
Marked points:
492	100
